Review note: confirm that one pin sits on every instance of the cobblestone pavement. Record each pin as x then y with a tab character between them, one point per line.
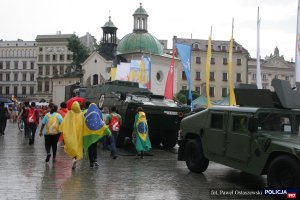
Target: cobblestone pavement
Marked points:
25	175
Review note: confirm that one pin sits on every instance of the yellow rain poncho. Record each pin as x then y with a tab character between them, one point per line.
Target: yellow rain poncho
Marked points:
72	127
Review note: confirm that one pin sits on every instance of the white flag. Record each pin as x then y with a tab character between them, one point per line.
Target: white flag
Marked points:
297	68
258	72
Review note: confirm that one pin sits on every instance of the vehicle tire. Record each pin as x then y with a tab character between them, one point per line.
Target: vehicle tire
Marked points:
169	140
284	172
194	157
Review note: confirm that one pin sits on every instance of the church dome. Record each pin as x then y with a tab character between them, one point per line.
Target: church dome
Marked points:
139	42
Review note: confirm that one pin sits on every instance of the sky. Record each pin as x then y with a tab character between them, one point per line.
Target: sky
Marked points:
25	19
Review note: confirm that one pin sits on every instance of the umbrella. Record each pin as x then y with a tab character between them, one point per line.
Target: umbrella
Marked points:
71	101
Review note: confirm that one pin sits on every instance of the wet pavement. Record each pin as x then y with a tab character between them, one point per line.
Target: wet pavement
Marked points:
25	175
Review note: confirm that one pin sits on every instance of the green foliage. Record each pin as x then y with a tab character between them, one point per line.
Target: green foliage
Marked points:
80	52
181	98
195	95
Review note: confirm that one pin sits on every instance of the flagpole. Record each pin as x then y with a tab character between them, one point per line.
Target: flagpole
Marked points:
232	101
297	61
258	71
208	59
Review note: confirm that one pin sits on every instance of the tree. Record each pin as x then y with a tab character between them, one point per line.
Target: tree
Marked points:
182	96
80	52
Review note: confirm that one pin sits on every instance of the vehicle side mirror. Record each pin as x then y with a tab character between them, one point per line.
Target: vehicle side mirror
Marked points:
123	96
253	124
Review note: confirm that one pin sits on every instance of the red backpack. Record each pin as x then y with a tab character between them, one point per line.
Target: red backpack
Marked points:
31	116
114	124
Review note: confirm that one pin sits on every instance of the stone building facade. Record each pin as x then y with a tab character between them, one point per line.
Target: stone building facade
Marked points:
18	69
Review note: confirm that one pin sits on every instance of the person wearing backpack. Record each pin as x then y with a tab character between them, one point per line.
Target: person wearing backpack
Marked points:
114	120
140	133
51	121
3	118
32	121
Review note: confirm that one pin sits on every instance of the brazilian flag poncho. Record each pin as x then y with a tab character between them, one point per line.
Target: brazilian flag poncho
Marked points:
140	129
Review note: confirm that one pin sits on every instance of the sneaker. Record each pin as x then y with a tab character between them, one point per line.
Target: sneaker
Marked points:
91	165
96	164
74	163
48	157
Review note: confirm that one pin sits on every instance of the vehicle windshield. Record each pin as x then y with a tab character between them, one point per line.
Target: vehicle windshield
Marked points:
275	122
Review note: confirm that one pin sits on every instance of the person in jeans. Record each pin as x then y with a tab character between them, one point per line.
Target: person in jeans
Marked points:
23	116
32	122
52	120
114	120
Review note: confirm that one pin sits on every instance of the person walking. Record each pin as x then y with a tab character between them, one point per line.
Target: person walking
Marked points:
72	127
114	120
32	121
51	121
23	116
3	118
62	111
140	133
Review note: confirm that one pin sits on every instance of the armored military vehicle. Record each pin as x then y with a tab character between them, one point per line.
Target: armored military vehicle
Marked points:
252	138
163	115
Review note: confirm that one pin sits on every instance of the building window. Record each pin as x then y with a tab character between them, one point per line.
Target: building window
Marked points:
46	86
253	76
23	90
31	77
24	77
1	65
39	86
225	61
198	76
287	78
1	77
40	58
24	64
198	60
69	57
7	64
41	49
40	70
159	76
0	89
183	75
212	76
31	90
198	89
47	70
211	91
53	57
225	77
15	76
15	90
16	65
223	48
276	76
224	92
62	57
196	46
239	61
212	61
184	87
31	65
7	77
238	77
95	79
47	58
61	69
55	71
264	77
7	90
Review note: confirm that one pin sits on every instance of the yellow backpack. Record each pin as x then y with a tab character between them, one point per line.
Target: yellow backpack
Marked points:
52	126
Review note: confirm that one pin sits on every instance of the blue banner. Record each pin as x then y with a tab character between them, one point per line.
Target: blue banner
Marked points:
185	53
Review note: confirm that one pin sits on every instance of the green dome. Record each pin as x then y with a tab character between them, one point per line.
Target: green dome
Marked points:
140	11
109	24
139	42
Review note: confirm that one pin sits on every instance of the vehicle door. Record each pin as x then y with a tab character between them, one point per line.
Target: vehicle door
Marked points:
215	133
238	138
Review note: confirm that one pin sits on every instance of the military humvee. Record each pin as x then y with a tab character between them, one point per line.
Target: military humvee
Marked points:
163	115
255	139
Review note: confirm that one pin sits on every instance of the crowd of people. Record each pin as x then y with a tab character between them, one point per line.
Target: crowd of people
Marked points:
80	125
